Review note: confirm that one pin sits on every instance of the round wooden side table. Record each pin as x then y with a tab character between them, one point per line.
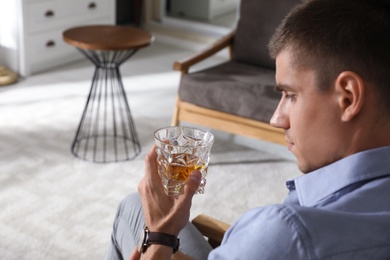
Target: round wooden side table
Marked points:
106	132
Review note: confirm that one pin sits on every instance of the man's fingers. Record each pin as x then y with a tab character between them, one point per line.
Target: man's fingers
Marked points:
151	179
151	158
192	183
151	173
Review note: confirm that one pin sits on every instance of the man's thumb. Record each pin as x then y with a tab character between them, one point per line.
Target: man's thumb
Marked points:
193	181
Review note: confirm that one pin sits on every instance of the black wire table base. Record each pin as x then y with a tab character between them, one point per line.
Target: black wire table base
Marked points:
106	132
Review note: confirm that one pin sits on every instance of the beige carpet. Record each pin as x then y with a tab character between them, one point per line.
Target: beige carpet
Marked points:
54	206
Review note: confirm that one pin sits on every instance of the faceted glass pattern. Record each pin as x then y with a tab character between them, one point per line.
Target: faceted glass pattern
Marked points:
180	151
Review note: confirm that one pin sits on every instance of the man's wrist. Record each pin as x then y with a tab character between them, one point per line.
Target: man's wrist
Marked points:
158	238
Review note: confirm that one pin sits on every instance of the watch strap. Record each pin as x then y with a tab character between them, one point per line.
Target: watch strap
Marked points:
159	238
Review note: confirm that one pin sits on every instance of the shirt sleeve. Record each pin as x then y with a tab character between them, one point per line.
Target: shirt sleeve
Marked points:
271	232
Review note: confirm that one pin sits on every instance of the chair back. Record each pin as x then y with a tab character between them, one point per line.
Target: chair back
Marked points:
258	20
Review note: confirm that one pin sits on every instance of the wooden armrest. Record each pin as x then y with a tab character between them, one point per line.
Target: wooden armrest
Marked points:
186	63
211	228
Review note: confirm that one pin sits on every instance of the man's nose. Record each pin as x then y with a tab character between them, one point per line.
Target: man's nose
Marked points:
280	118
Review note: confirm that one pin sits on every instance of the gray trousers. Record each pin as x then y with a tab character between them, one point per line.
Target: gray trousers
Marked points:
128	230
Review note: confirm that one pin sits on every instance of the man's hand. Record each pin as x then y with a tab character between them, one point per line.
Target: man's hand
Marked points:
163	213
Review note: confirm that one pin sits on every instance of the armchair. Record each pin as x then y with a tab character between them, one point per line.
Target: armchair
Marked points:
238	95
211	228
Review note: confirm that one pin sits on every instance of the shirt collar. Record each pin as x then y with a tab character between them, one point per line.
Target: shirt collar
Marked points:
315	186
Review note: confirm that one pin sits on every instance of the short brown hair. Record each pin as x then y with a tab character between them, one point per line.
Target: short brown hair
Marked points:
331	36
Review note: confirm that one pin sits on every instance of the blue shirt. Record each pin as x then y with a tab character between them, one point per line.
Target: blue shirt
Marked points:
341	211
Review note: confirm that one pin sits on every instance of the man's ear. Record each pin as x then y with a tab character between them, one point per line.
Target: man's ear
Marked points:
350	89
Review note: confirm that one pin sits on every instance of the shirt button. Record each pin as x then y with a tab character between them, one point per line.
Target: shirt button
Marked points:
290	185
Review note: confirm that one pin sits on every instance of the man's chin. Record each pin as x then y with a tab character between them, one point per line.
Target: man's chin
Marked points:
306	168
303	166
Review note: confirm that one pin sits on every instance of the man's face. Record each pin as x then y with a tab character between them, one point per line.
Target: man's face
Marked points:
310	118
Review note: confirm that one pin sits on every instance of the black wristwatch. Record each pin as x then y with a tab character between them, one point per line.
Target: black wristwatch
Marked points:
158	238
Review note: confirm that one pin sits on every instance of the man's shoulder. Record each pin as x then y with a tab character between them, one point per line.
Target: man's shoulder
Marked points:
310	220
267	231
274	213
276	219
315	232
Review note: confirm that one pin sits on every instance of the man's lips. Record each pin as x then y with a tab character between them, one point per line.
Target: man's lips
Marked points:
289	142
287	138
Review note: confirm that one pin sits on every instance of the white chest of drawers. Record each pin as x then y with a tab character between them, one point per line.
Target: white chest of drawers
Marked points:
31	30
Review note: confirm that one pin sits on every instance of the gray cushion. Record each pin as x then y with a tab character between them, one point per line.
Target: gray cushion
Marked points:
234	88
258	21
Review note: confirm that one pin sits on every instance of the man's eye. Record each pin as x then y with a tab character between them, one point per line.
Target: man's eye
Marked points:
290	96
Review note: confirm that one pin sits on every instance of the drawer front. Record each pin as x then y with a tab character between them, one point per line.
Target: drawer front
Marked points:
47	44
48	49
41	16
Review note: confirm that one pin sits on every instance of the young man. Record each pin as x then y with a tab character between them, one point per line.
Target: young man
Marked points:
333	68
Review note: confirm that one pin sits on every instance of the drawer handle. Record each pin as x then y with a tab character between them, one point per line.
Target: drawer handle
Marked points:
92	5
50	44
49	13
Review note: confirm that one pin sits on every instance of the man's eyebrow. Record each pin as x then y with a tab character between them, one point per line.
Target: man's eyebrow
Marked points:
281	87
278	88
